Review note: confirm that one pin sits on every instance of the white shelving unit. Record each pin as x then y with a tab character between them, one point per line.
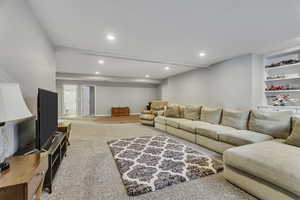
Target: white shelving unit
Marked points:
282	91
292	81
282	79
283	67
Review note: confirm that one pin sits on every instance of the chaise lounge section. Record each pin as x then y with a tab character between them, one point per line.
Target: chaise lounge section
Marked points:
253	144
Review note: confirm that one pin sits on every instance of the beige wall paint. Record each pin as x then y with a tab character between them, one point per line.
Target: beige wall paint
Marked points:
235	83
26	56
135	96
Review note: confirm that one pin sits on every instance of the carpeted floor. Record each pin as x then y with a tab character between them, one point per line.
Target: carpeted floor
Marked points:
89	171
122	119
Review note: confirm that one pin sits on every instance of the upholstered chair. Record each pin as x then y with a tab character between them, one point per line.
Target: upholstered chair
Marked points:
157	108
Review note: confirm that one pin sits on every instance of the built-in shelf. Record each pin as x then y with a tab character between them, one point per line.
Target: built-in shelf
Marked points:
283	66
282	91
282	79
270	106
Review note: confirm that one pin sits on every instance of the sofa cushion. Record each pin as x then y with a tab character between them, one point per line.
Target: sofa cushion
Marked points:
172	110
158	105
243	137
235	119
181	110
212	131
272	161
294	138
190	126
160	120
192	112
174	122
149	117
275	124
211	115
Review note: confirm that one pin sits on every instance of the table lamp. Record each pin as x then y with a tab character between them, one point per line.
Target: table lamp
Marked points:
12	110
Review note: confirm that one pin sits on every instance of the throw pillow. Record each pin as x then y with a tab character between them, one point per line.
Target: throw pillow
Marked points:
211	115
235	119
172	110
294	138
275	124
192	112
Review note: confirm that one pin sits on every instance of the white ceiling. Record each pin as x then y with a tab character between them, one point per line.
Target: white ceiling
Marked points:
168	31
83	63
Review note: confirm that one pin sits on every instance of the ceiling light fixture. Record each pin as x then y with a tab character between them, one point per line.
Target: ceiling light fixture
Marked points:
110	37
167	68
97	73
101	62
147	76
202	54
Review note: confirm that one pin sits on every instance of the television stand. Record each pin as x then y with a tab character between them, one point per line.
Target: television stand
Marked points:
56	151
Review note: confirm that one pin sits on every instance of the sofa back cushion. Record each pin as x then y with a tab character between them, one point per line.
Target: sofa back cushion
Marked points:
158	105
275	124
294	138
192	112
235	119
211	115
181	110
172	110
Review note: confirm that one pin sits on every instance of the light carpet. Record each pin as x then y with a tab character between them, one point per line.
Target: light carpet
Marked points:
89	171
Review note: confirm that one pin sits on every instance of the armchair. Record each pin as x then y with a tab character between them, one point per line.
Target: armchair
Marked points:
157	108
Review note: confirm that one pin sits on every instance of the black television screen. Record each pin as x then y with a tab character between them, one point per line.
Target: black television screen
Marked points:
47	117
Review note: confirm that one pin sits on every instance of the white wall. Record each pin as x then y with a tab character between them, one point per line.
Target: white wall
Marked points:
135	96
26	55
235	83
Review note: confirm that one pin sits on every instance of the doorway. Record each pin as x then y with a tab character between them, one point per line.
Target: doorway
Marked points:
70	100
88	100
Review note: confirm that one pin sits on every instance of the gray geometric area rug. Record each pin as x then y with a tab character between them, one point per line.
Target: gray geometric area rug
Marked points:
150	163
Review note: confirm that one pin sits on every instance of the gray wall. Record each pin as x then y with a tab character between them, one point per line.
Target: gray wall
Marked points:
235	83
135	96
26	55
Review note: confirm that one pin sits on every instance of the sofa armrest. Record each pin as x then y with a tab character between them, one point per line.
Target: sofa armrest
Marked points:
146	112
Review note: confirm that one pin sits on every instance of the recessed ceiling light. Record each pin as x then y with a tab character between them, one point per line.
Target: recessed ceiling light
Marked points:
167	68
110	37
101	62
147	76
202	54
97	72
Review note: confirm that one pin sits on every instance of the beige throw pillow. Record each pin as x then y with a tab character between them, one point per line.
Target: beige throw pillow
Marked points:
235	119
211	115
294	138
275	124
192	112
172	110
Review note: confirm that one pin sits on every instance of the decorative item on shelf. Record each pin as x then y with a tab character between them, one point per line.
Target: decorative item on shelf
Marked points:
282	63
280	87
12	109
282	100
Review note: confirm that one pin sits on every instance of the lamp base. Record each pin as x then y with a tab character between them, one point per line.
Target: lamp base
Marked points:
4	166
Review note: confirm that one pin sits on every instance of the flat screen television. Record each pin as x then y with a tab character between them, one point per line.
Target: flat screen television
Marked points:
47	118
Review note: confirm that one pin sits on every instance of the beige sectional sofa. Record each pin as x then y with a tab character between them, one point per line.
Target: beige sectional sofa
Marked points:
256	157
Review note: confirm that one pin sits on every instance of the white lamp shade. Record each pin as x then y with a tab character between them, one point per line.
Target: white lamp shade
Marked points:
12	104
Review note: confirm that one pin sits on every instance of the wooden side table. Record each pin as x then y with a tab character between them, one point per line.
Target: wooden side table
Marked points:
24	180
65	127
